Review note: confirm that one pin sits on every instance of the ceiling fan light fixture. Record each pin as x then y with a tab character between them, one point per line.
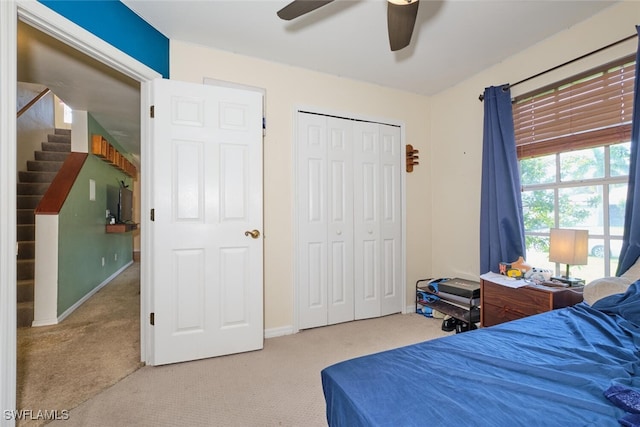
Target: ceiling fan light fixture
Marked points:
402	2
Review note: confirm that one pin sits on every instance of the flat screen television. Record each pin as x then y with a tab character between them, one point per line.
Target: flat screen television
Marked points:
113	200
125	206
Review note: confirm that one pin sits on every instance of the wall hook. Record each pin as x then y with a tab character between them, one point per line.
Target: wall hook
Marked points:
412	157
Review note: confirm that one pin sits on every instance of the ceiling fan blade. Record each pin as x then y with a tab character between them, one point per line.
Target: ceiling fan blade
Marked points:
300	7
401	18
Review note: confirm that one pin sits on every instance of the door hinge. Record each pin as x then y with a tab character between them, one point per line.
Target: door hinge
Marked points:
152	111
152	319
153	215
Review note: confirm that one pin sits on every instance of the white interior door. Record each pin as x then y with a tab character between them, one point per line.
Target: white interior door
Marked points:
207	272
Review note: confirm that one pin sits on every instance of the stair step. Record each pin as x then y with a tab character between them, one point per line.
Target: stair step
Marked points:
43	165
32	188
27	201
54	156
59	131
59	137
25	216
36	176
56	146
25	269
26	232
25	291
26	249
24	314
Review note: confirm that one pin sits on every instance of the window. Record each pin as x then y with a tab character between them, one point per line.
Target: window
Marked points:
68	114
573	144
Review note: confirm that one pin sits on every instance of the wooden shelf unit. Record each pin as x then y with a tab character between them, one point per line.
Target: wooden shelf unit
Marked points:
120	228
107	152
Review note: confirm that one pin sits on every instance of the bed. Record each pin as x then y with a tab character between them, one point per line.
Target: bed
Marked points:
550	369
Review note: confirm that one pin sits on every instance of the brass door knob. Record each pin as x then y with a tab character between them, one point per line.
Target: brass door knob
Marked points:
253	233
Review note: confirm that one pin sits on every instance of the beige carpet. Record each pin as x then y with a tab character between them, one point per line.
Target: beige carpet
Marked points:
277	386
63	365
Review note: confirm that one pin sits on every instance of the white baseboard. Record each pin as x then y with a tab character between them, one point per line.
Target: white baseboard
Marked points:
45	322
91	293
278	332
288	330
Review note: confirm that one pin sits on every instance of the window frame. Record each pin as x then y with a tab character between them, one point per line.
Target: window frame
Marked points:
611	134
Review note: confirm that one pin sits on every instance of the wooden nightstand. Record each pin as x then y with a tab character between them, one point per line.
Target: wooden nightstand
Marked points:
500	304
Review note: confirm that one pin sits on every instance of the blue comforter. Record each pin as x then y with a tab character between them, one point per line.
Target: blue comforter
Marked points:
545	370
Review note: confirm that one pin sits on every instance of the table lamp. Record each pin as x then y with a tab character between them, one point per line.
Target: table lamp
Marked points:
570	247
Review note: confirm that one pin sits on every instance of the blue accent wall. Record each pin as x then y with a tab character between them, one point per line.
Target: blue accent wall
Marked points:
119	26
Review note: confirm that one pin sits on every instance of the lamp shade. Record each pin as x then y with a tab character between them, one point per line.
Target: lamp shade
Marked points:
568	246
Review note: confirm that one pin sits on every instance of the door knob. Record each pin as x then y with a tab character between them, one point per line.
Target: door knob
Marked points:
253	233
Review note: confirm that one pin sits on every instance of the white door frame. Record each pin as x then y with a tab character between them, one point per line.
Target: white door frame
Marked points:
294	154
46	20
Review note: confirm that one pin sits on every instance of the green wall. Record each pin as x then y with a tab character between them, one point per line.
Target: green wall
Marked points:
83	242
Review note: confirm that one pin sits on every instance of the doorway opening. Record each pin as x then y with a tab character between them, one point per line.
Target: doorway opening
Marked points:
43	19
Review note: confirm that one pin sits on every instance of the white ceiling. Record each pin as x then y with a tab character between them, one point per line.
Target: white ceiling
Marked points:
452	40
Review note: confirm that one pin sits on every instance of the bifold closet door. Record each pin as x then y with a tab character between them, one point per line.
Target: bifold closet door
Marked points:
325	220
377	219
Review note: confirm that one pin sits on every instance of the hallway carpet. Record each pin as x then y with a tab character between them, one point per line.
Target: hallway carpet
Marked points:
97	345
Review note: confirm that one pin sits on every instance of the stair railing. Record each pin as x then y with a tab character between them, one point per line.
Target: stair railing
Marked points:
33	101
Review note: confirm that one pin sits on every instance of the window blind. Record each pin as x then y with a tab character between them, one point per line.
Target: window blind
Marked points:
591	109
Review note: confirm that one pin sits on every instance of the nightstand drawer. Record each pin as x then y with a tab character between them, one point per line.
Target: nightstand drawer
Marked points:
493	314
525	302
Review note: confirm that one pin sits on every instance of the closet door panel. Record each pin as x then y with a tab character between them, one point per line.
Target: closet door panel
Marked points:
367	191
312	221
340	221
391	157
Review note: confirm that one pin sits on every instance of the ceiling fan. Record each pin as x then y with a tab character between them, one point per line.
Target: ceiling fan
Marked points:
401	17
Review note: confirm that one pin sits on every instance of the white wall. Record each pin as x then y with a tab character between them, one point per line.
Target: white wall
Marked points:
288	88
457	125
34	124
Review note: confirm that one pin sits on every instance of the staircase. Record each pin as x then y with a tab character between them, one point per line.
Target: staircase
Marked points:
32	184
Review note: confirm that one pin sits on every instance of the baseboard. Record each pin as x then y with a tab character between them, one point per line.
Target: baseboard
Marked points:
50	322
92	292
288	330
278	332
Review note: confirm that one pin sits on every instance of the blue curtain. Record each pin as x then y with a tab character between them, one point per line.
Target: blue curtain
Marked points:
631	237
501	219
